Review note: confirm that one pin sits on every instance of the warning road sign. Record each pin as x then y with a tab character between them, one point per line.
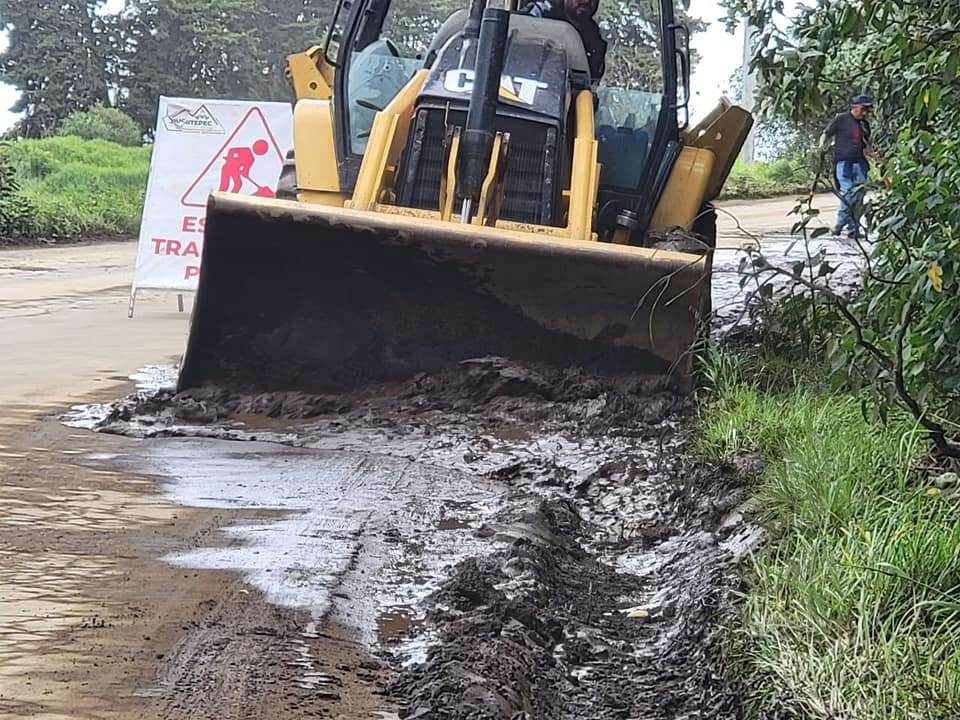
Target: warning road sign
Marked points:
190	161
249	163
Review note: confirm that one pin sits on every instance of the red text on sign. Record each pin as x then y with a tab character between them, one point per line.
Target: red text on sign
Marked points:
163	246
193	224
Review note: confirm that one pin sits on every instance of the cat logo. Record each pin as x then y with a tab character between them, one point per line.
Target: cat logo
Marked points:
518	89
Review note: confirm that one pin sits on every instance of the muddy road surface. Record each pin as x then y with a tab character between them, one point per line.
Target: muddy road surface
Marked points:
508	541
96	624
498	541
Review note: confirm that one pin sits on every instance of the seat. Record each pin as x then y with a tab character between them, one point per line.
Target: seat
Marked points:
623	153
532	30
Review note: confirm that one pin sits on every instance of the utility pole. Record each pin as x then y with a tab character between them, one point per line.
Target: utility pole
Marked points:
748	81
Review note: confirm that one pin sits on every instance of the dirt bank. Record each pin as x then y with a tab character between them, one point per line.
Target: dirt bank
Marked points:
87	238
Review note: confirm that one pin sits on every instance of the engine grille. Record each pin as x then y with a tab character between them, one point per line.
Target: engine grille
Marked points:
531	181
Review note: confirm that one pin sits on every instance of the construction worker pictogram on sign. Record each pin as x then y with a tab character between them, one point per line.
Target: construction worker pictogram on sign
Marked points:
248	163
235	172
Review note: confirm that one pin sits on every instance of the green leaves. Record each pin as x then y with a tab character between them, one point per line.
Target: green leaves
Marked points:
951	65
899	343
15	209
102	123
928	99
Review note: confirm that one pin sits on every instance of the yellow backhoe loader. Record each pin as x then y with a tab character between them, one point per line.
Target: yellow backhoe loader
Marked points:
465	192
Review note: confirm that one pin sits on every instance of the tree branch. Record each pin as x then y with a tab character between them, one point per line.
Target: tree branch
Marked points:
936	431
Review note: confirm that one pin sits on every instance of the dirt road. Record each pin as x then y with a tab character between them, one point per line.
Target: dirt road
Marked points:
95	624
97	620
740	221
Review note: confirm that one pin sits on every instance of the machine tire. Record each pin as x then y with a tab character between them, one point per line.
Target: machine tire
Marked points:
287	184
705	227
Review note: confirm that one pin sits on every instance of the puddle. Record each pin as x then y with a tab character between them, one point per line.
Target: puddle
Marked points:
396	624
156	377
355	538
101	456
148	379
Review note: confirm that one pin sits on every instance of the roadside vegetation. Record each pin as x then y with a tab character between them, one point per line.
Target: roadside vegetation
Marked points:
784	176
67	188
852	607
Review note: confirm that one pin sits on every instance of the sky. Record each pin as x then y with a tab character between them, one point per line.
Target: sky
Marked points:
720	54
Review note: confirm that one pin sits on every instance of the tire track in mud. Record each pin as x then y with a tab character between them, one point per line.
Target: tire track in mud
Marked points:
584	576
247	660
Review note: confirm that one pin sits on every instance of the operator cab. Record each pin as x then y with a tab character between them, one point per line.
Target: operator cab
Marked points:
637	120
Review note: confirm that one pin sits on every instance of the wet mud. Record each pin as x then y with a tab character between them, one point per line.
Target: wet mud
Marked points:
96	625
729	291
548	629
513	541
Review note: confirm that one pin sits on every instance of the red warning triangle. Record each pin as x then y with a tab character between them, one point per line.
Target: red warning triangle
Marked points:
249	163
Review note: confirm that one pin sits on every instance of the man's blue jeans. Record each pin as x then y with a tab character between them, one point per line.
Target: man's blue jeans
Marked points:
852	175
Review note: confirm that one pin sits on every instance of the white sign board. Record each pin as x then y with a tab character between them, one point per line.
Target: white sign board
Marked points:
203	146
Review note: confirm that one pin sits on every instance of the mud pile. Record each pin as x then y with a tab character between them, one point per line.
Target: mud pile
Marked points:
591	583
479	385
544	630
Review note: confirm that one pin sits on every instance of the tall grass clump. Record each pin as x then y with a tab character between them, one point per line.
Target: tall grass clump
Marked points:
852	608
77	187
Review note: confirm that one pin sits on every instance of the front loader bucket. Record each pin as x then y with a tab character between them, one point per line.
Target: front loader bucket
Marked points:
322	299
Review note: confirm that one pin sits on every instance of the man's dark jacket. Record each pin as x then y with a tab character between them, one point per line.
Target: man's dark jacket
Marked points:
593	42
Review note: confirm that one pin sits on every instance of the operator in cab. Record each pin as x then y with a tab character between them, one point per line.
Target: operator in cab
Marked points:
578	13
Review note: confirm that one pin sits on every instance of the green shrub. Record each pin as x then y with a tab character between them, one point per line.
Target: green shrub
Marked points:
762	180
783	171
75	187
16	212
102	123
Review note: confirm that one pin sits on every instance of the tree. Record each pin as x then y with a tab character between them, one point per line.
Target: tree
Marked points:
286	27
56	57
202	48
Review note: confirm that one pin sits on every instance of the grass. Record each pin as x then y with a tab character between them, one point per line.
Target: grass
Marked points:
852	610
763	180
79	187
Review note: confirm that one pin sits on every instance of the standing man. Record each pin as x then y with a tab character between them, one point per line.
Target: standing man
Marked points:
578	13
851	148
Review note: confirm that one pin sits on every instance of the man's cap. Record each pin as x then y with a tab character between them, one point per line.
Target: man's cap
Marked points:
864	100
